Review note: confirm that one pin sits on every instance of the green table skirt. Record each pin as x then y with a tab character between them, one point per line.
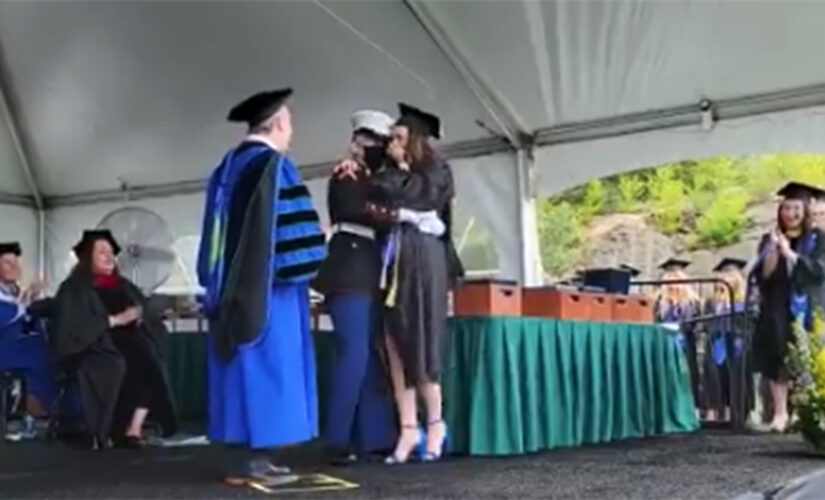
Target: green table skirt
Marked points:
519	385
187	372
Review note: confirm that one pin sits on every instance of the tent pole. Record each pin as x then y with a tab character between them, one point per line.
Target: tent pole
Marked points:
531	272
41	244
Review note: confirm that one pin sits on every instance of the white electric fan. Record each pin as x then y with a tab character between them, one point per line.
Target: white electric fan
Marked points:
146	256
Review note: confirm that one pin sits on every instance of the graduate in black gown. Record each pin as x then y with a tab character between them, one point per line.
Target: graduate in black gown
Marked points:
106	335
419	267
791	278
722	348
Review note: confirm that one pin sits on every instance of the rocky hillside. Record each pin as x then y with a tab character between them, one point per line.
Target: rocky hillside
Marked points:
623	238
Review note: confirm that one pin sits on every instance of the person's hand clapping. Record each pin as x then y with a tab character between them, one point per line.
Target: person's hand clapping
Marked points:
784	244
36	288
126	317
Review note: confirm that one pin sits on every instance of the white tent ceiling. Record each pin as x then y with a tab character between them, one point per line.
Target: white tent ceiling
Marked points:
134	91
137	91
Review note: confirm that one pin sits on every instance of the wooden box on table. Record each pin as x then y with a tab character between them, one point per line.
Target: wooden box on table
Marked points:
562	303
487	298
632	309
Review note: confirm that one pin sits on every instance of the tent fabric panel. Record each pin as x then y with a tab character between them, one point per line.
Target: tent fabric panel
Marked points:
487	188
20	224
560	62
565	166
138	91
12	179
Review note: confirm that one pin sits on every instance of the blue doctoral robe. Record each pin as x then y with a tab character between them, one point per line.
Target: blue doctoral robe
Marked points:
261	362
23	347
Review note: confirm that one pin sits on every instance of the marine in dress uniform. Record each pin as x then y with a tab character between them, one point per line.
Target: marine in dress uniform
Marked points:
360	417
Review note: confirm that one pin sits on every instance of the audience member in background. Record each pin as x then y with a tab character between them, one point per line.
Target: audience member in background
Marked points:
418	266
360	418
261	246
23	346
676	304
721	344
791	274
816	213
115	346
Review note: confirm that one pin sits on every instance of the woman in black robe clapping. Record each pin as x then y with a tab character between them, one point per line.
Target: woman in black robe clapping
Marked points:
105	334
791	277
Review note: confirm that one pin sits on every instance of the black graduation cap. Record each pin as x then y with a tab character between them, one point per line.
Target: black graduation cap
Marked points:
800	191
423	122
730	262
630	269
12	247
674	263
92	235
259	108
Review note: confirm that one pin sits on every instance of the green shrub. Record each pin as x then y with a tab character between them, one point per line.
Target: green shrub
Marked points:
631	188
559	227
724	220
594	199
667	196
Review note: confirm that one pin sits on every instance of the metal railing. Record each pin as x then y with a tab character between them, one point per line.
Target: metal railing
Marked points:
718	351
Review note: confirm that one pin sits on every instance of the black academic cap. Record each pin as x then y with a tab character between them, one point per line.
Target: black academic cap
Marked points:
729	262
11	247
800	191
92	235
674	263
630	269
425	123
259	108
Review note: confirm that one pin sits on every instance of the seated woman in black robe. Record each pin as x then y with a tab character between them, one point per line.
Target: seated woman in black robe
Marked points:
105	335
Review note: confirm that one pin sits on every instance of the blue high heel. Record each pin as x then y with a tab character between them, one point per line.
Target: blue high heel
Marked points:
429	456
415	453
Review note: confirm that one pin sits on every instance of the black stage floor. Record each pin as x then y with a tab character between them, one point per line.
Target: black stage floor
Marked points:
712	464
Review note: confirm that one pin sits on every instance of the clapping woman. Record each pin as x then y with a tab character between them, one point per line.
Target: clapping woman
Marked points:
105	333
790	274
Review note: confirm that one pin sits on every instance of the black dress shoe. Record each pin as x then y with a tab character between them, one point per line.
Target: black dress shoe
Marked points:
341	457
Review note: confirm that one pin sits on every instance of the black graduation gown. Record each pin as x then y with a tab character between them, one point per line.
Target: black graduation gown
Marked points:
774	328
117	369
418	320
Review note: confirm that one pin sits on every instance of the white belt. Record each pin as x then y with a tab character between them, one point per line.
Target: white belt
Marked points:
356	229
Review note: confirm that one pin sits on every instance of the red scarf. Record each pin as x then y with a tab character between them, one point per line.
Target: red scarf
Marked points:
106	280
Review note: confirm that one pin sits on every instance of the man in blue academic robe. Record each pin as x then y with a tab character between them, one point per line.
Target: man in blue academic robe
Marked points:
23	345
261	245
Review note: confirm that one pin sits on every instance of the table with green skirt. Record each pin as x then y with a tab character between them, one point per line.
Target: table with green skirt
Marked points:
519	385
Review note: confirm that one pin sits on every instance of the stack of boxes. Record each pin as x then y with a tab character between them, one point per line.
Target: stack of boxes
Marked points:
603	297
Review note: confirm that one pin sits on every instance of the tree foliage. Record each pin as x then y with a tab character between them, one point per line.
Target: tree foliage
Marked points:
705	200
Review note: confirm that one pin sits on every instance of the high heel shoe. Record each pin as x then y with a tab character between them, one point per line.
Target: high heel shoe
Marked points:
415	452
431	456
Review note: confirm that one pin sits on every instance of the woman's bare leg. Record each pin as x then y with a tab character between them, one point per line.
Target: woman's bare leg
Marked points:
779	398
436	429
409	435
136	424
